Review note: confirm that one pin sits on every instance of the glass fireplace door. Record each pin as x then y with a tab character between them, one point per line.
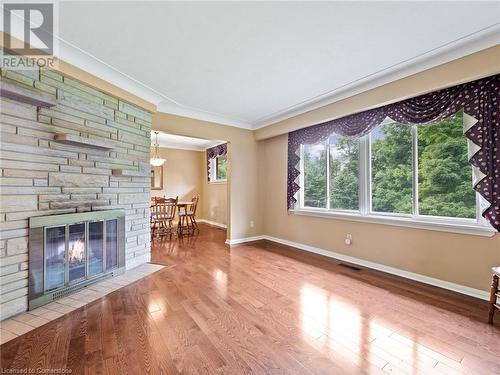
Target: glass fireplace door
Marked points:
96	247
76	252
55	250
111	244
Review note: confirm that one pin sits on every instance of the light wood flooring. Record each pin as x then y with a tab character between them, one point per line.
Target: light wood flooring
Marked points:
263	308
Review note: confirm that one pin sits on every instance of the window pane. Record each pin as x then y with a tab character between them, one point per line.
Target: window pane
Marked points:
344	173
95	246
445	176
391	159
221	168
315	175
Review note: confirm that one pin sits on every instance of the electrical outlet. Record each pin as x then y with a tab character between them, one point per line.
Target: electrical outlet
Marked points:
252	224
348	239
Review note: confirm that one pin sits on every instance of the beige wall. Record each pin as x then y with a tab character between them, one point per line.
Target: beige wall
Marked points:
242	187
215	207
185	176
182	174
457	258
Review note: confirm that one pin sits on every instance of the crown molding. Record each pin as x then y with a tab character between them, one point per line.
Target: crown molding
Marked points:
91	64
467	45
175	147
475	42
163	103
85	61
198	114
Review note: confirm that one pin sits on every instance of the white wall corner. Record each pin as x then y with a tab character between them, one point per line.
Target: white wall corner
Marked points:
237	241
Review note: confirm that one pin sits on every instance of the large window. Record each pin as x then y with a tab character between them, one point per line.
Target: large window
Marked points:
419	172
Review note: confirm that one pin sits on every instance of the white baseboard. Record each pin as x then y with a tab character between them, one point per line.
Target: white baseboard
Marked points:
237	241
213	223
481	294
137	261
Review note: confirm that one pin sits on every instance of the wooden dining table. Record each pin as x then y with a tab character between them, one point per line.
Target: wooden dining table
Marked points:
180	205
184	204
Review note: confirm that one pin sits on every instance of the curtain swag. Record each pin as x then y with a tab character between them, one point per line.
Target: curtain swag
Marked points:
213	152
480	101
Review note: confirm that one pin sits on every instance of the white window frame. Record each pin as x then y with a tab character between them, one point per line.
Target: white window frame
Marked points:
477	226
213	171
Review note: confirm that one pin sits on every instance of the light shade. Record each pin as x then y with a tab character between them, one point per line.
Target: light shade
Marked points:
156	162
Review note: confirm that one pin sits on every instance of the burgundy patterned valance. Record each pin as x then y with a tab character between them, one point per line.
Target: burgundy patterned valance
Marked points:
213	152
480	101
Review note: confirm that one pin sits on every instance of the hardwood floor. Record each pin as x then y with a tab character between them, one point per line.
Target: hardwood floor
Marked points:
264	308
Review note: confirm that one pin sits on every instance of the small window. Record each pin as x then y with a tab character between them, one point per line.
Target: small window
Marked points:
218	168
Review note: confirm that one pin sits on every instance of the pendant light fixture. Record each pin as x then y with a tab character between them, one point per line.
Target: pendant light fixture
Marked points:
156	161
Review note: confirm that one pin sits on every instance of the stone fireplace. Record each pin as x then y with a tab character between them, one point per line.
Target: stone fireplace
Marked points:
69	252
68	148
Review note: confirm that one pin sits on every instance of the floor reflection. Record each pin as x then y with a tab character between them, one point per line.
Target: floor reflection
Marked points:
358	325
340	324
340	329
175	246
220	278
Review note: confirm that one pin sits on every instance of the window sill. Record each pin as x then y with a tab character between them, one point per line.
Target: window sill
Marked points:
436	225
217	182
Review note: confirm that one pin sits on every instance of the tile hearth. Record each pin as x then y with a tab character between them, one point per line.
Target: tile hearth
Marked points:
23	323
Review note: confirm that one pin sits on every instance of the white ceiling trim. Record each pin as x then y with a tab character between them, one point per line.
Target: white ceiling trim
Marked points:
89	63
186	148
168	147
174	141
185	111
475	42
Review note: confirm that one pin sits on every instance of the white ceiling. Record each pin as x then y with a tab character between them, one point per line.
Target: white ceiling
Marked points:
250	64
183	143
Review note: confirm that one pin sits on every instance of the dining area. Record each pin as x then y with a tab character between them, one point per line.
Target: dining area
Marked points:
172	217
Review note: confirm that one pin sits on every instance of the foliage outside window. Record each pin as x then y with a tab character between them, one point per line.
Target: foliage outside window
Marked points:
218	168
402	170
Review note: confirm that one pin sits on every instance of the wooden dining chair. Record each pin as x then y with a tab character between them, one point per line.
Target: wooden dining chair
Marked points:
187	218
156	199
162	216
495	294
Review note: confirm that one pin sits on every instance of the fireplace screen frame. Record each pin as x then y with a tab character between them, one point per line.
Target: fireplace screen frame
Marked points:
38	294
